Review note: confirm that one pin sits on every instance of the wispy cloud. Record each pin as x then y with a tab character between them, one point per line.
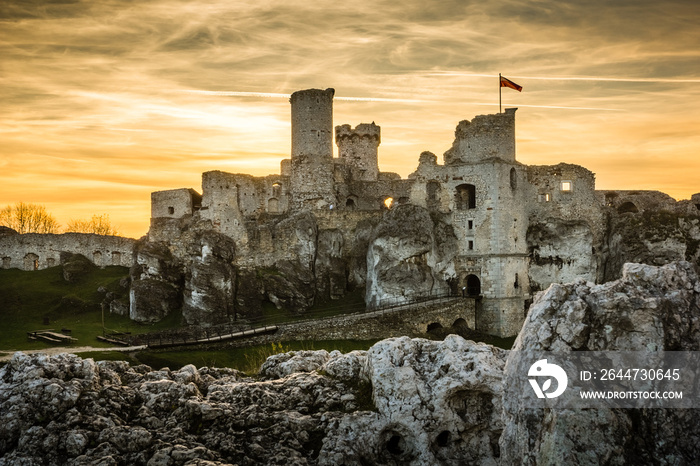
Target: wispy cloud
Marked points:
150	94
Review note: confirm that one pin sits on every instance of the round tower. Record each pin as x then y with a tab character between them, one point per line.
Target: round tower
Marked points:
312	123
312	149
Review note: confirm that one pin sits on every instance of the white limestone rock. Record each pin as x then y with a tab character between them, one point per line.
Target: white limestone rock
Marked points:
436	402
648	309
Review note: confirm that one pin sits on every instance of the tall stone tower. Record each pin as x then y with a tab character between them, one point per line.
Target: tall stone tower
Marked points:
489	213
312	149
358	148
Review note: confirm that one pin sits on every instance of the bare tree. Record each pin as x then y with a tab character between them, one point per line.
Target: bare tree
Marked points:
98	224
28	218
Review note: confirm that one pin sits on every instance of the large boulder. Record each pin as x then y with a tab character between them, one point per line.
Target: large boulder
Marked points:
436	403
649	309
409	256
156	282
210	280
75	266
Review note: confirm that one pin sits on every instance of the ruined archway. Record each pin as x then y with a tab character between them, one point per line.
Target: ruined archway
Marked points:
273	205
460	323
31	261
350	204
627	207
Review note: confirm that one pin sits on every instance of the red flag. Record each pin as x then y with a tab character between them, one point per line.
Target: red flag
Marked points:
508	83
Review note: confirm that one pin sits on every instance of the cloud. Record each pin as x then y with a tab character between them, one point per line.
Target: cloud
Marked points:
125	97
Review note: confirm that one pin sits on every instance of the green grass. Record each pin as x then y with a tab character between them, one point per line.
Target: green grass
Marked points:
246	359
28	299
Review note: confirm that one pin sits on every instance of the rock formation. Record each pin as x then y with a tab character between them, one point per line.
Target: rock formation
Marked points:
648	309
404	401
409	256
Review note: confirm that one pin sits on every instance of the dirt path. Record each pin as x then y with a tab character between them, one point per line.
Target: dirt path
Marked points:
6	355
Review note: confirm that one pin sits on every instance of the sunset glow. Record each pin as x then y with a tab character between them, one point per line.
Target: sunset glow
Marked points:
105	102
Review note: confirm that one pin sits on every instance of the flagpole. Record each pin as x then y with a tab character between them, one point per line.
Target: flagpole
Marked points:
499	93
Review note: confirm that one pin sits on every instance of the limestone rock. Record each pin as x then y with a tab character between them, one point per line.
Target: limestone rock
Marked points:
284	364
648	309
437	403
210	281
156	283
329	267
560	252
649	237
407	257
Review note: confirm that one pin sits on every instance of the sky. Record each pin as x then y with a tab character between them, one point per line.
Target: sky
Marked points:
104	102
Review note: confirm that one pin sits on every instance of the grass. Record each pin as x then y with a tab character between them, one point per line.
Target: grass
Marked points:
29	299
247	359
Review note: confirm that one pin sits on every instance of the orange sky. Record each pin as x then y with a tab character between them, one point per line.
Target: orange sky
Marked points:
104	102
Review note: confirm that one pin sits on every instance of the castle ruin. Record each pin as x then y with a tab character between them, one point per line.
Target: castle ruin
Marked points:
479	224
485	202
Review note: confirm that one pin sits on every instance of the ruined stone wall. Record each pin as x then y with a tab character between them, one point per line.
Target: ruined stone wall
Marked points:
625	201
175	203
484	137
566	225
34	251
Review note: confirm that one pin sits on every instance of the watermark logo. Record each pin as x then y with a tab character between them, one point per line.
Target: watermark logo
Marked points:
542	368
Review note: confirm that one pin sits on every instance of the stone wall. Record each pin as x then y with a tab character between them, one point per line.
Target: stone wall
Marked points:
483	138
411	320
175	203
33	251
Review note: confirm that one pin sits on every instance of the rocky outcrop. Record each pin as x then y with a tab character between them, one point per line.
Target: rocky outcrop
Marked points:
409	255
653	237
648	309
433	402
404	401
210	280
560	251
156	283
75	266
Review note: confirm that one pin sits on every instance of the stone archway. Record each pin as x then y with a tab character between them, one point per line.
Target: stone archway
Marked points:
473	285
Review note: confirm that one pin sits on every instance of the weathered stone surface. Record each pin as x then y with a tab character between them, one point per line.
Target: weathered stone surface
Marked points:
407	257
648	309
210	280
157	282
649	237
432	396
330	267
437	403
560	252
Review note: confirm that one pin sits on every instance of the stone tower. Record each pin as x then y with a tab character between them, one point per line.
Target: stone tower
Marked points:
358	148
312	149
488	212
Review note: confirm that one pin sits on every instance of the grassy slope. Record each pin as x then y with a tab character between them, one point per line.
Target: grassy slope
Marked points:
27	298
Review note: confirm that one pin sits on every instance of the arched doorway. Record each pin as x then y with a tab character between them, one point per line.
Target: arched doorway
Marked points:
473	285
